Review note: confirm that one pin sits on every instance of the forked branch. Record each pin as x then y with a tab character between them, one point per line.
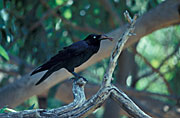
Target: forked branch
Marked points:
81	107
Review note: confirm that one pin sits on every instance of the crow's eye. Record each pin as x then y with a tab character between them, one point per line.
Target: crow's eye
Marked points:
94	37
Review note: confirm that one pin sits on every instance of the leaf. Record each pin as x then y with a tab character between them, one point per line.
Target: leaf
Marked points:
31	107
60	2
3	109
3	53
67	14
9	110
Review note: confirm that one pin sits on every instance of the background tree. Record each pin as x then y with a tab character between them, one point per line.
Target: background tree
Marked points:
33	31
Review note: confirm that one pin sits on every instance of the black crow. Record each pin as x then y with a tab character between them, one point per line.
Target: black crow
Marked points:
72	56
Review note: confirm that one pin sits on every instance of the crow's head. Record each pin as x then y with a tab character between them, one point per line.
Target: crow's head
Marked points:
95	38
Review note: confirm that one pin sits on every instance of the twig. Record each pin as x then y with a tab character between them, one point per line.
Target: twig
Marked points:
125	102
155	70
151	82
162	63
169	56
118	49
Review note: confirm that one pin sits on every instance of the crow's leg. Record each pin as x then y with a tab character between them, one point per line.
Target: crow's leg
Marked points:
78	76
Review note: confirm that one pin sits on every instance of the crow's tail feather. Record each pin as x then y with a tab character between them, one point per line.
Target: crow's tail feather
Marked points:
43	67
46	75
37	70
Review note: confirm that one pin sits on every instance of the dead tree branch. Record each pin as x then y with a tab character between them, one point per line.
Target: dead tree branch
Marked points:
145	100
150	21
79	99
81	107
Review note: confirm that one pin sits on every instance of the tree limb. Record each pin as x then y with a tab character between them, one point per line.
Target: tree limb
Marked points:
82	108
79	99
145	100
127	104
155	19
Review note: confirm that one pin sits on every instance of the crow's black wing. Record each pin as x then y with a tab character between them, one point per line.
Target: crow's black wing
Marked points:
72	50
65	54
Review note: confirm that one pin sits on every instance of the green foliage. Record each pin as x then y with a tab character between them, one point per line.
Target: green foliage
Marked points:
32	33
5	109
54	103
31	107
3	53
60	2
156	47
67	14
2	110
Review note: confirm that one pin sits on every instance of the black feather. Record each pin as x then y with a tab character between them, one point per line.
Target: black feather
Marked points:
47	74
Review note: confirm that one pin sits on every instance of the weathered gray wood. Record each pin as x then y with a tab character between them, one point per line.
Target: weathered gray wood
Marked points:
81	107
164	15
127	104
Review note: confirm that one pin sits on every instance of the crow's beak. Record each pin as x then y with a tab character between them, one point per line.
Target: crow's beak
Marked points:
104	37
